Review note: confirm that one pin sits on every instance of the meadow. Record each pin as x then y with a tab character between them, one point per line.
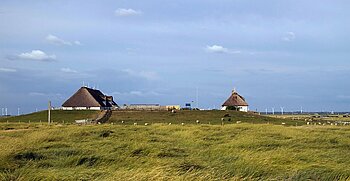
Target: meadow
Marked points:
325	118
57	116
256	150
141	117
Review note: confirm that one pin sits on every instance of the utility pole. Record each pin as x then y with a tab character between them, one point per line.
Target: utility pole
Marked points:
49	113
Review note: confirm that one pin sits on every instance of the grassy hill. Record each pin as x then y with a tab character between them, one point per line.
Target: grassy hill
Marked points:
190	117
151	117
57	116
175	152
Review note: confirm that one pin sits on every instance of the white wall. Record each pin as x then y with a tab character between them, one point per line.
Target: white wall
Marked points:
67	108
241	108
81	108
95	108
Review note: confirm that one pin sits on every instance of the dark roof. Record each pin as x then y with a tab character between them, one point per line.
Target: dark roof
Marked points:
235	100
87	97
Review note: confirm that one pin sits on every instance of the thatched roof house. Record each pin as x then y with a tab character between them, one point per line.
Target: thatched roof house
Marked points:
86	98
235	102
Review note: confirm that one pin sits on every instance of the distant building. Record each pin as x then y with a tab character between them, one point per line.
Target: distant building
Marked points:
89	99
235	102
143	107
151	107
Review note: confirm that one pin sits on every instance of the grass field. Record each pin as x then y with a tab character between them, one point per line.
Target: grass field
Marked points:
58	116
313	118
190	117
175	152
250	150
150	117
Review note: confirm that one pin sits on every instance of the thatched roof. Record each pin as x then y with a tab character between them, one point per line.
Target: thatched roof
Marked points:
235	100
87	97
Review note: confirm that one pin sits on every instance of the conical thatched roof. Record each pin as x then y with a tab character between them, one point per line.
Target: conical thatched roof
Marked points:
235	100
87	97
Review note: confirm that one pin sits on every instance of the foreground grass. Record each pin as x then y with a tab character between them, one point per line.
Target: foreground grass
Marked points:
174	152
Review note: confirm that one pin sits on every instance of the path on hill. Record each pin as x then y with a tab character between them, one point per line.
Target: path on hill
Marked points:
103	116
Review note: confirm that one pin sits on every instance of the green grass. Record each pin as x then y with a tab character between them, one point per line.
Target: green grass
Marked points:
58	116
258	148
312	118
175	152
190	117
142	117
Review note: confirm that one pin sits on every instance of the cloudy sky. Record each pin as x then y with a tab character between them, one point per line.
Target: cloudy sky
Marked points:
276	53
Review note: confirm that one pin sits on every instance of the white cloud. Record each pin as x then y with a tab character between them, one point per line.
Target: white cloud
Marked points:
149	75
217	49
37	55
58	41
289	36
126	12
7	70
77	43
221	49
68	70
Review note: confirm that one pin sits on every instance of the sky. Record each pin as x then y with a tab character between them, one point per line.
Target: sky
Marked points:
292	53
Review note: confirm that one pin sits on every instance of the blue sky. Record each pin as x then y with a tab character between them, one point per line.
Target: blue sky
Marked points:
275	53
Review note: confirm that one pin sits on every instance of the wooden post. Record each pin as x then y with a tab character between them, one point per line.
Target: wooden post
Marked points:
49	113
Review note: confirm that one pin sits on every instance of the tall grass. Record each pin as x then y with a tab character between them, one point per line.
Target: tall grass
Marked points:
175	152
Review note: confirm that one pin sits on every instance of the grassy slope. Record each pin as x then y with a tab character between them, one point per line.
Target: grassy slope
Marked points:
174	152
141	117
56	116
190	117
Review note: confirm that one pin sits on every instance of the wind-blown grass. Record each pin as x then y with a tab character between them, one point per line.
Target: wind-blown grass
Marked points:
175	152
